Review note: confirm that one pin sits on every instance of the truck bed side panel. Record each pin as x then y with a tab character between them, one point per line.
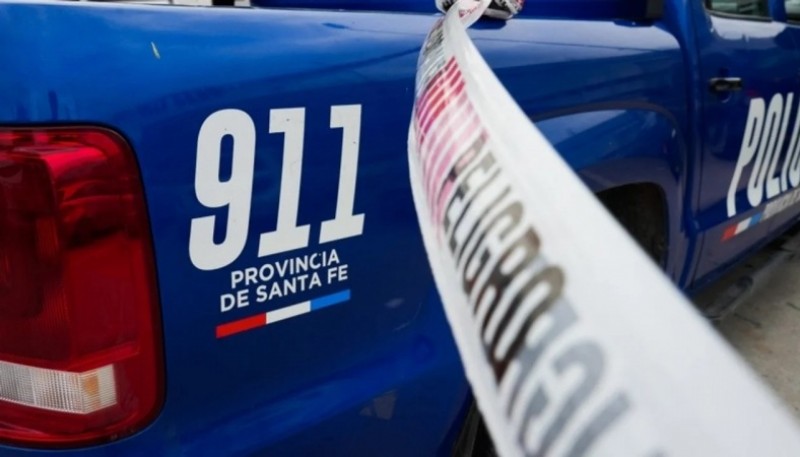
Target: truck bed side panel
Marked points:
363	376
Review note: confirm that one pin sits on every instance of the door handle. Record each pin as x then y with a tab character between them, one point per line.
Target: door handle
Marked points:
725	84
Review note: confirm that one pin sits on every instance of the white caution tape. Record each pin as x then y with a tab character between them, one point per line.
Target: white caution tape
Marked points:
573	340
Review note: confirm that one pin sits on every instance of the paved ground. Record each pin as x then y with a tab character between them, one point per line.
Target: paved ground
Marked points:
766	328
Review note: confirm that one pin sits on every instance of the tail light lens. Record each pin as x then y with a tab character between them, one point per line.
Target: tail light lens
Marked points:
79	330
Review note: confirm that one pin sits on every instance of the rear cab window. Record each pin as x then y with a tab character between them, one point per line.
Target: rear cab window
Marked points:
793	10
745	9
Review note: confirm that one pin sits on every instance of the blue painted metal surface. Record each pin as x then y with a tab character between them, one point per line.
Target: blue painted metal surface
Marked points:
623	102
764	55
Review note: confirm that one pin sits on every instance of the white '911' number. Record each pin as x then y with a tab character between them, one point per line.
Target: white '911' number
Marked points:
236	192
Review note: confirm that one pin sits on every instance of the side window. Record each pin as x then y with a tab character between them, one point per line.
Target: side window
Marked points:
751	8
793	10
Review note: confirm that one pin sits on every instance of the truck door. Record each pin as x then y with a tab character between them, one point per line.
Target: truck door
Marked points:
749	73
783	212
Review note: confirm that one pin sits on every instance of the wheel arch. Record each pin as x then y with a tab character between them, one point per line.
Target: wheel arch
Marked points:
634	158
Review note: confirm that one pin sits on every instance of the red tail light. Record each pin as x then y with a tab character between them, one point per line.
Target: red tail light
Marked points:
79	344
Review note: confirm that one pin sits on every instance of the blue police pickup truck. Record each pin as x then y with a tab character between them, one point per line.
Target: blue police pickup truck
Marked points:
207	239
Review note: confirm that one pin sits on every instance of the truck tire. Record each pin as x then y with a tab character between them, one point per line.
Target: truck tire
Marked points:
641	210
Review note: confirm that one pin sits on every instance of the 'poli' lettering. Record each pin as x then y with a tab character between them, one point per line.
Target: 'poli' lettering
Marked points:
752	135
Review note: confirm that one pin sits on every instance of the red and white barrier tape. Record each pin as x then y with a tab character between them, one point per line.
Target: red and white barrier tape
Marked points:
574	342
